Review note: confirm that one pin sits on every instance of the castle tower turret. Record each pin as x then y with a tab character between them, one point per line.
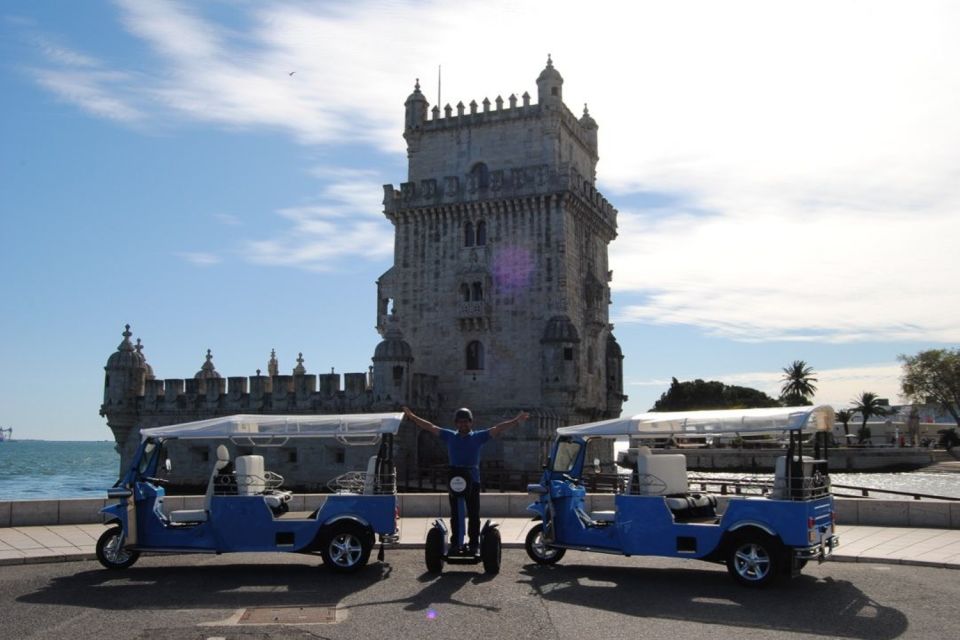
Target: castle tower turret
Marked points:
391	368
273	366
550	86
126	373
416	106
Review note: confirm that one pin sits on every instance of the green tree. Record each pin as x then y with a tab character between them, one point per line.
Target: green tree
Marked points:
933	377
844	416
798	387
700	394
868	405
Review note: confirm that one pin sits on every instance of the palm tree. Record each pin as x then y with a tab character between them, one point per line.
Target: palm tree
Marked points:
798	385
844	416
868	405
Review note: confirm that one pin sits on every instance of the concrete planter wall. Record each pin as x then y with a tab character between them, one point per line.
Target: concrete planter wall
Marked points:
852	511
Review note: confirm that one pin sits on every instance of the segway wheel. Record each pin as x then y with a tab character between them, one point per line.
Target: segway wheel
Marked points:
490	551
433	553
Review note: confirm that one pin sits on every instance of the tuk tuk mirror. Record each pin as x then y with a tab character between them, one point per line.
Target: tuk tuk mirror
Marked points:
596	465
167	465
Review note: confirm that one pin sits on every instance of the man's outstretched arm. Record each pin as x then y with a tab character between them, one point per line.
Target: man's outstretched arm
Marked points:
520	418
426	425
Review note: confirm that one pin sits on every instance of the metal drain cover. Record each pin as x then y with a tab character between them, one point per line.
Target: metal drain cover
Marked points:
323	614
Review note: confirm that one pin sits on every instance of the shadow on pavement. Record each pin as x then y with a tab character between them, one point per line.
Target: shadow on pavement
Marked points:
205	586
824	607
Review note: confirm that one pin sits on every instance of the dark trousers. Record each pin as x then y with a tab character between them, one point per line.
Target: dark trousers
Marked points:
472	497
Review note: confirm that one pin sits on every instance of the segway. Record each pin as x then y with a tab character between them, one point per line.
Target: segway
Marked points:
439	548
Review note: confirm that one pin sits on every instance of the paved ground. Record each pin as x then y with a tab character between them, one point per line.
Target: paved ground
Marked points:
290	597
887	545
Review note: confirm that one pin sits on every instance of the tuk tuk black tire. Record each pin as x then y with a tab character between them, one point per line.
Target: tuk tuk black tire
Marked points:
530	544
490	551
754	559
109	556
346	547
433	551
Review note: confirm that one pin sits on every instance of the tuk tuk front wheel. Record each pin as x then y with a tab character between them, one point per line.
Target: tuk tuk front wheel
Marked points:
754	559
346	548
537	548
110	551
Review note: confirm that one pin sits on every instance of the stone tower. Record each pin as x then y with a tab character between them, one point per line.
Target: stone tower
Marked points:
500	283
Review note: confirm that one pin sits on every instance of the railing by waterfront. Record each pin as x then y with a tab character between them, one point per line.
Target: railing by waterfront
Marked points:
504	481
756	486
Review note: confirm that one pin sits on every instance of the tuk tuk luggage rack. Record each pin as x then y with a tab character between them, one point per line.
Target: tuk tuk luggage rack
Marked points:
360	482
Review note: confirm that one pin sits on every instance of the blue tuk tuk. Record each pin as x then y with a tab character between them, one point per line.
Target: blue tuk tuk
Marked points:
246	509
655	512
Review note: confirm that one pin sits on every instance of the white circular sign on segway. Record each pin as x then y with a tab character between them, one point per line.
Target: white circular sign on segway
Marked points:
458	484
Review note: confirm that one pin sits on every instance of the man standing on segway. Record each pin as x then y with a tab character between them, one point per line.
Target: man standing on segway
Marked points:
463	449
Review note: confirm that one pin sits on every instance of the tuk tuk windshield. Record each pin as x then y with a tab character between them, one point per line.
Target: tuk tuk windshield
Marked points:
566	457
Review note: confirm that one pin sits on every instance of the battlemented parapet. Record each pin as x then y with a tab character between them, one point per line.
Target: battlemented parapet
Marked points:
519	182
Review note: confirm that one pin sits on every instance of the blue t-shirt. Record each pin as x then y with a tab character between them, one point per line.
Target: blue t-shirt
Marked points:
464	451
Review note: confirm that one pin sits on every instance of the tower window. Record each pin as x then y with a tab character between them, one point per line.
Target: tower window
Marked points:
465	292
397	374
481	233
477	292
480	175
475	359
468	236
568	353
554	91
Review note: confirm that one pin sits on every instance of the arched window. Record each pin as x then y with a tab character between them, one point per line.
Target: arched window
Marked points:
465	292
475	356
468	237
480	175
477	292
481	233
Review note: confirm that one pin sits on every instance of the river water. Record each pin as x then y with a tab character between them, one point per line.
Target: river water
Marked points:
38	470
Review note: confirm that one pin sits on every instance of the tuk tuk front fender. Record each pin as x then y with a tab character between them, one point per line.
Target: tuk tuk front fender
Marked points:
538	509
115	513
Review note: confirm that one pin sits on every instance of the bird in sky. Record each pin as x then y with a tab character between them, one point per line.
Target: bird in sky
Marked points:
291	73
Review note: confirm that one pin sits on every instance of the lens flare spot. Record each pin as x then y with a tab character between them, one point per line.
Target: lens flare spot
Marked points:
431	614
512	269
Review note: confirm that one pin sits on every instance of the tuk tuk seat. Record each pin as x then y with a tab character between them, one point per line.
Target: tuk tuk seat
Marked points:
200	515
252	481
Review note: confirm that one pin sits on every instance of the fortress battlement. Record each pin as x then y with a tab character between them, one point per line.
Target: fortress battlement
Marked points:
447	119
536	180
132	388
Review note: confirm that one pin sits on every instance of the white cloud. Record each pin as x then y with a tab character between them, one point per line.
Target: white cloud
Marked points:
811	146
345	224
199	258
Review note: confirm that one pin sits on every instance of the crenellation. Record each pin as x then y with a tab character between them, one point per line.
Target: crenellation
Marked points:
534	180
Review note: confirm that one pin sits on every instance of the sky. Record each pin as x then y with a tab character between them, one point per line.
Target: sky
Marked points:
787	176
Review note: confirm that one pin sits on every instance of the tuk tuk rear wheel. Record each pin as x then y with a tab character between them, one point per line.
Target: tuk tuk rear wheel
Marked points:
538	550
754	559
346	548
490	551
433	552
110	551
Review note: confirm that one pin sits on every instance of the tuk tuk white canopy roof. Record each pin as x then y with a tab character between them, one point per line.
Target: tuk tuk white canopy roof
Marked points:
695	423
364	425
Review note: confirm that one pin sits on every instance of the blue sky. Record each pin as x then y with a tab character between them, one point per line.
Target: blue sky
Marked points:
786	175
